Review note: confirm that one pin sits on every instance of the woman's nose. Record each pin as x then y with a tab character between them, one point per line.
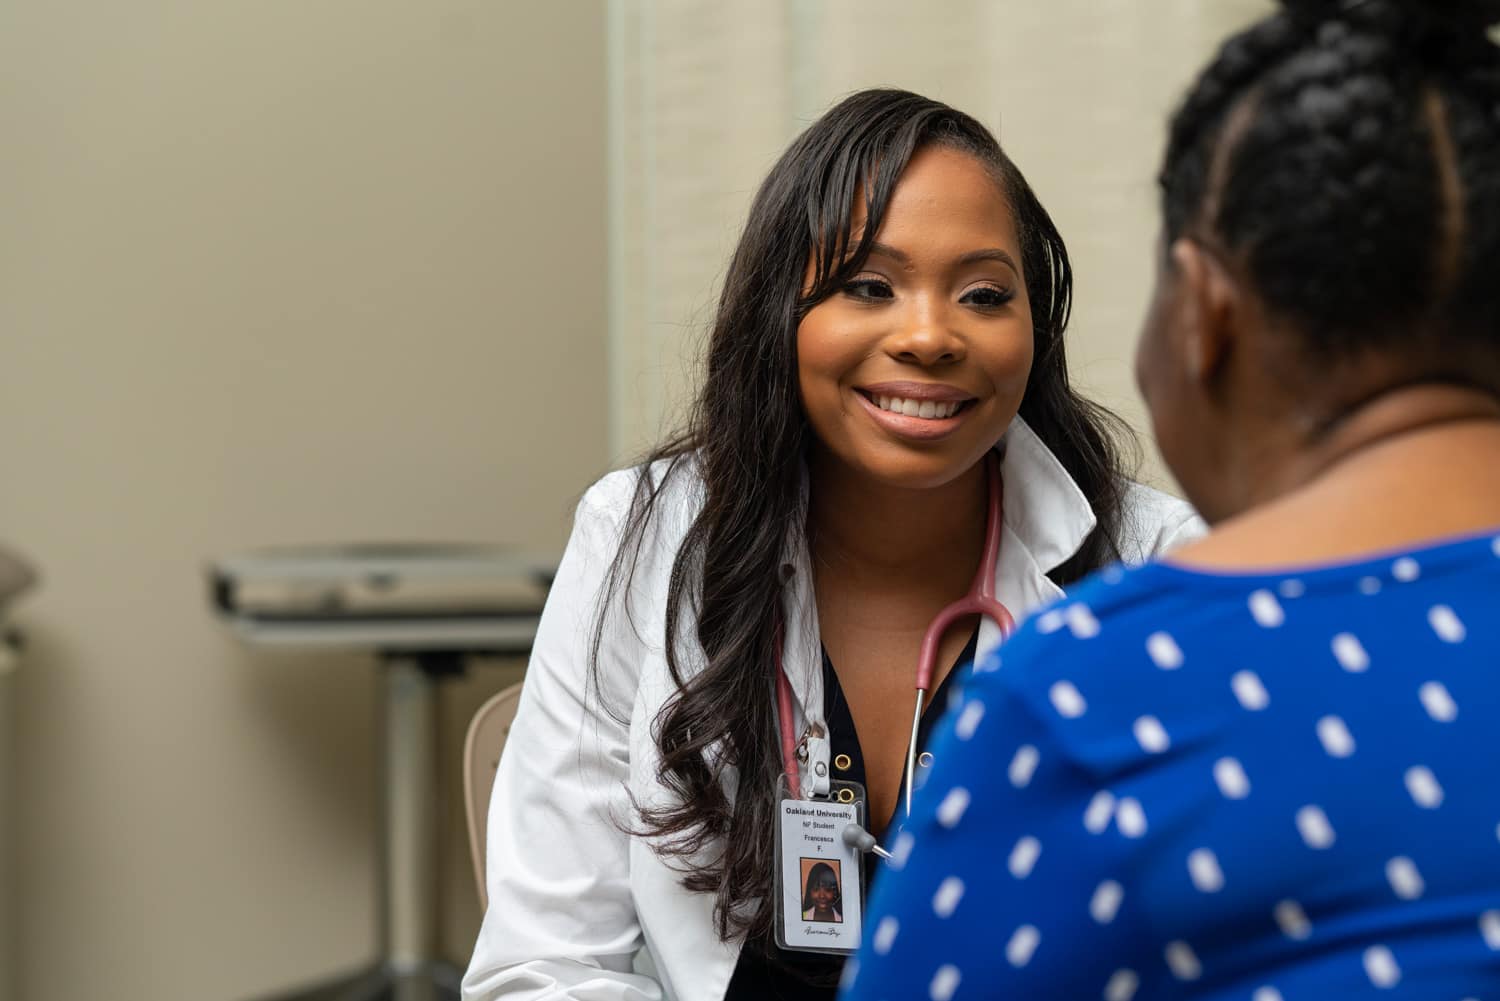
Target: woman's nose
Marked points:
926	337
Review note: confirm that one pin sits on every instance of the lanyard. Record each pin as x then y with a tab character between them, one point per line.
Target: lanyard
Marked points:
980	600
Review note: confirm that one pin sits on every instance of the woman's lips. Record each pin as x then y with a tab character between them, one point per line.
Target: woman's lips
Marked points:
902	413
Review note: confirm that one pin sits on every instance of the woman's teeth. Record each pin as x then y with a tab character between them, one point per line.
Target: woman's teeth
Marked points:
930	409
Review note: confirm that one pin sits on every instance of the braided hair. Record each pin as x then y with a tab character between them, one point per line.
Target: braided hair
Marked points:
1346	154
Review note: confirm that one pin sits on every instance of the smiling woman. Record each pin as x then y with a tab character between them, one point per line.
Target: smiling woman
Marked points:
937	297
889	343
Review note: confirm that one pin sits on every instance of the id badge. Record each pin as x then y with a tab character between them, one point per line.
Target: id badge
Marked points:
819	878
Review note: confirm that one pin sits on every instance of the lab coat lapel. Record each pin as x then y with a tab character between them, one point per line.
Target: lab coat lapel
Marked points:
1020	584
1047	519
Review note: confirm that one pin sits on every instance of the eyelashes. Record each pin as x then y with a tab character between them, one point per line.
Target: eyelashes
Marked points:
869	290
875	290
986	297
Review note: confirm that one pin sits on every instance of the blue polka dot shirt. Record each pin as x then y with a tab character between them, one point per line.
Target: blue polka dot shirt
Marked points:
1186	785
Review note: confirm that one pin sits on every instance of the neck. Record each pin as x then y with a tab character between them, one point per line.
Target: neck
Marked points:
1406	468
1394	429
860	524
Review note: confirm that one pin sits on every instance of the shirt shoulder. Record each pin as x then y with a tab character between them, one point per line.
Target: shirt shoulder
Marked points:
1090	666
607	506
1154	522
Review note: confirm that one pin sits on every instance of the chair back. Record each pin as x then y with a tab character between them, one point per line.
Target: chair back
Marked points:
482	746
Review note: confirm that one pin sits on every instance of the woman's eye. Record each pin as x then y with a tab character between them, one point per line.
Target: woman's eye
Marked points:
987	298
868	289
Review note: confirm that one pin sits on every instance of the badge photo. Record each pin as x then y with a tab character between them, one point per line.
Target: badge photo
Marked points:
819	876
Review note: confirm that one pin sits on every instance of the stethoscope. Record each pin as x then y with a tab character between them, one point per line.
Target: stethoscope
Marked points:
980	600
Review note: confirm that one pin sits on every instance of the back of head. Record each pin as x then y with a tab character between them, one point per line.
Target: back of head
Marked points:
1346	154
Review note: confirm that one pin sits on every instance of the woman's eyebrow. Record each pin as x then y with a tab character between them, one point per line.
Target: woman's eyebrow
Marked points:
886	250
990	254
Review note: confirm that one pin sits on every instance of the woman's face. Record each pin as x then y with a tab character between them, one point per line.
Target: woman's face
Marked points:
914	370
824	891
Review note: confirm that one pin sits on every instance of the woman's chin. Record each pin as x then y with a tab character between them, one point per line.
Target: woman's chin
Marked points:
918	469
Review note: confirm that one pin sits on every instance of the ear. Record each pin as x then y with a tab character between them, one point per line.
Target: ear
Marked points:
1211	299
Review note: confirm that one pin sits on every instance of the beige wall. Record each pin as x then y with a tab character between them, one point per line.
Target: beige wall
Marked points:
1077	90
269	272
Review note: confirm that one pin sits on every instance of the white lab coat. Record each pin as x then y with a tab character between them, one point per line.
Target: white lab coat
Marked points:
580	909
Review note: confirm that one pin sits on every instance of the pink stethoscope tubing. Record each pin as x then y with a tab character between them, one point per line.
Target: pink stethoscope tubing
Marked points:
980	600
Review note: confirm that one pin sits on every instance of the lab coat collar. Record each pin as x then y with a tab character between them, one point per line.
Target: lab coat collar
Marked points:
1044	506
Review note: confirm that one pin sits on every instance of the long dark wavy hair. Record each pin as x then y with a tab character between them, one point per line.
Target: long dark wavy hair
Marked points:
746	439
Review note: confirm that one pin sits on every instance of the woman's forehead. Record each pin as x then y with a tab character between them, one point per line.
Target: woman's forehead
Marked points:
946	204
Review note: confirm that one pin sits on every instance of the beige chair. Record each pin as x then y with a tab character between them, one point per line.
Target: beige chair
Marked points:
486	739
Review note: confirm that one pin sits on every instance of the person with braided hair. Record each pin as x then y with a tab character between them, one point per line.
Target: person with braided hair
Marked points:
1265	771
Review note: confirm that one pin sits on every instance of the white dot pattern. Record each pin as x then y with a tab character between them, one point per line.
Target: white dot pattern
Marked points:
1406	570
1230	777
1313	825
1438	702
1023	766
1151	735
1105	903
1097	815
1067	700
901	850
1335	737
1022	945
1081	622
1401	872
1051	621
1266	994
951	810
1446	623
1351	653
1130	817
1183	961
968	720
1122	985
944	983
1381	968
1292	920
1292	589
1250	691
1424	788
1023	857
949	893
1489	927
885	935
1266	610
1203	866
1164	651
1369	585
